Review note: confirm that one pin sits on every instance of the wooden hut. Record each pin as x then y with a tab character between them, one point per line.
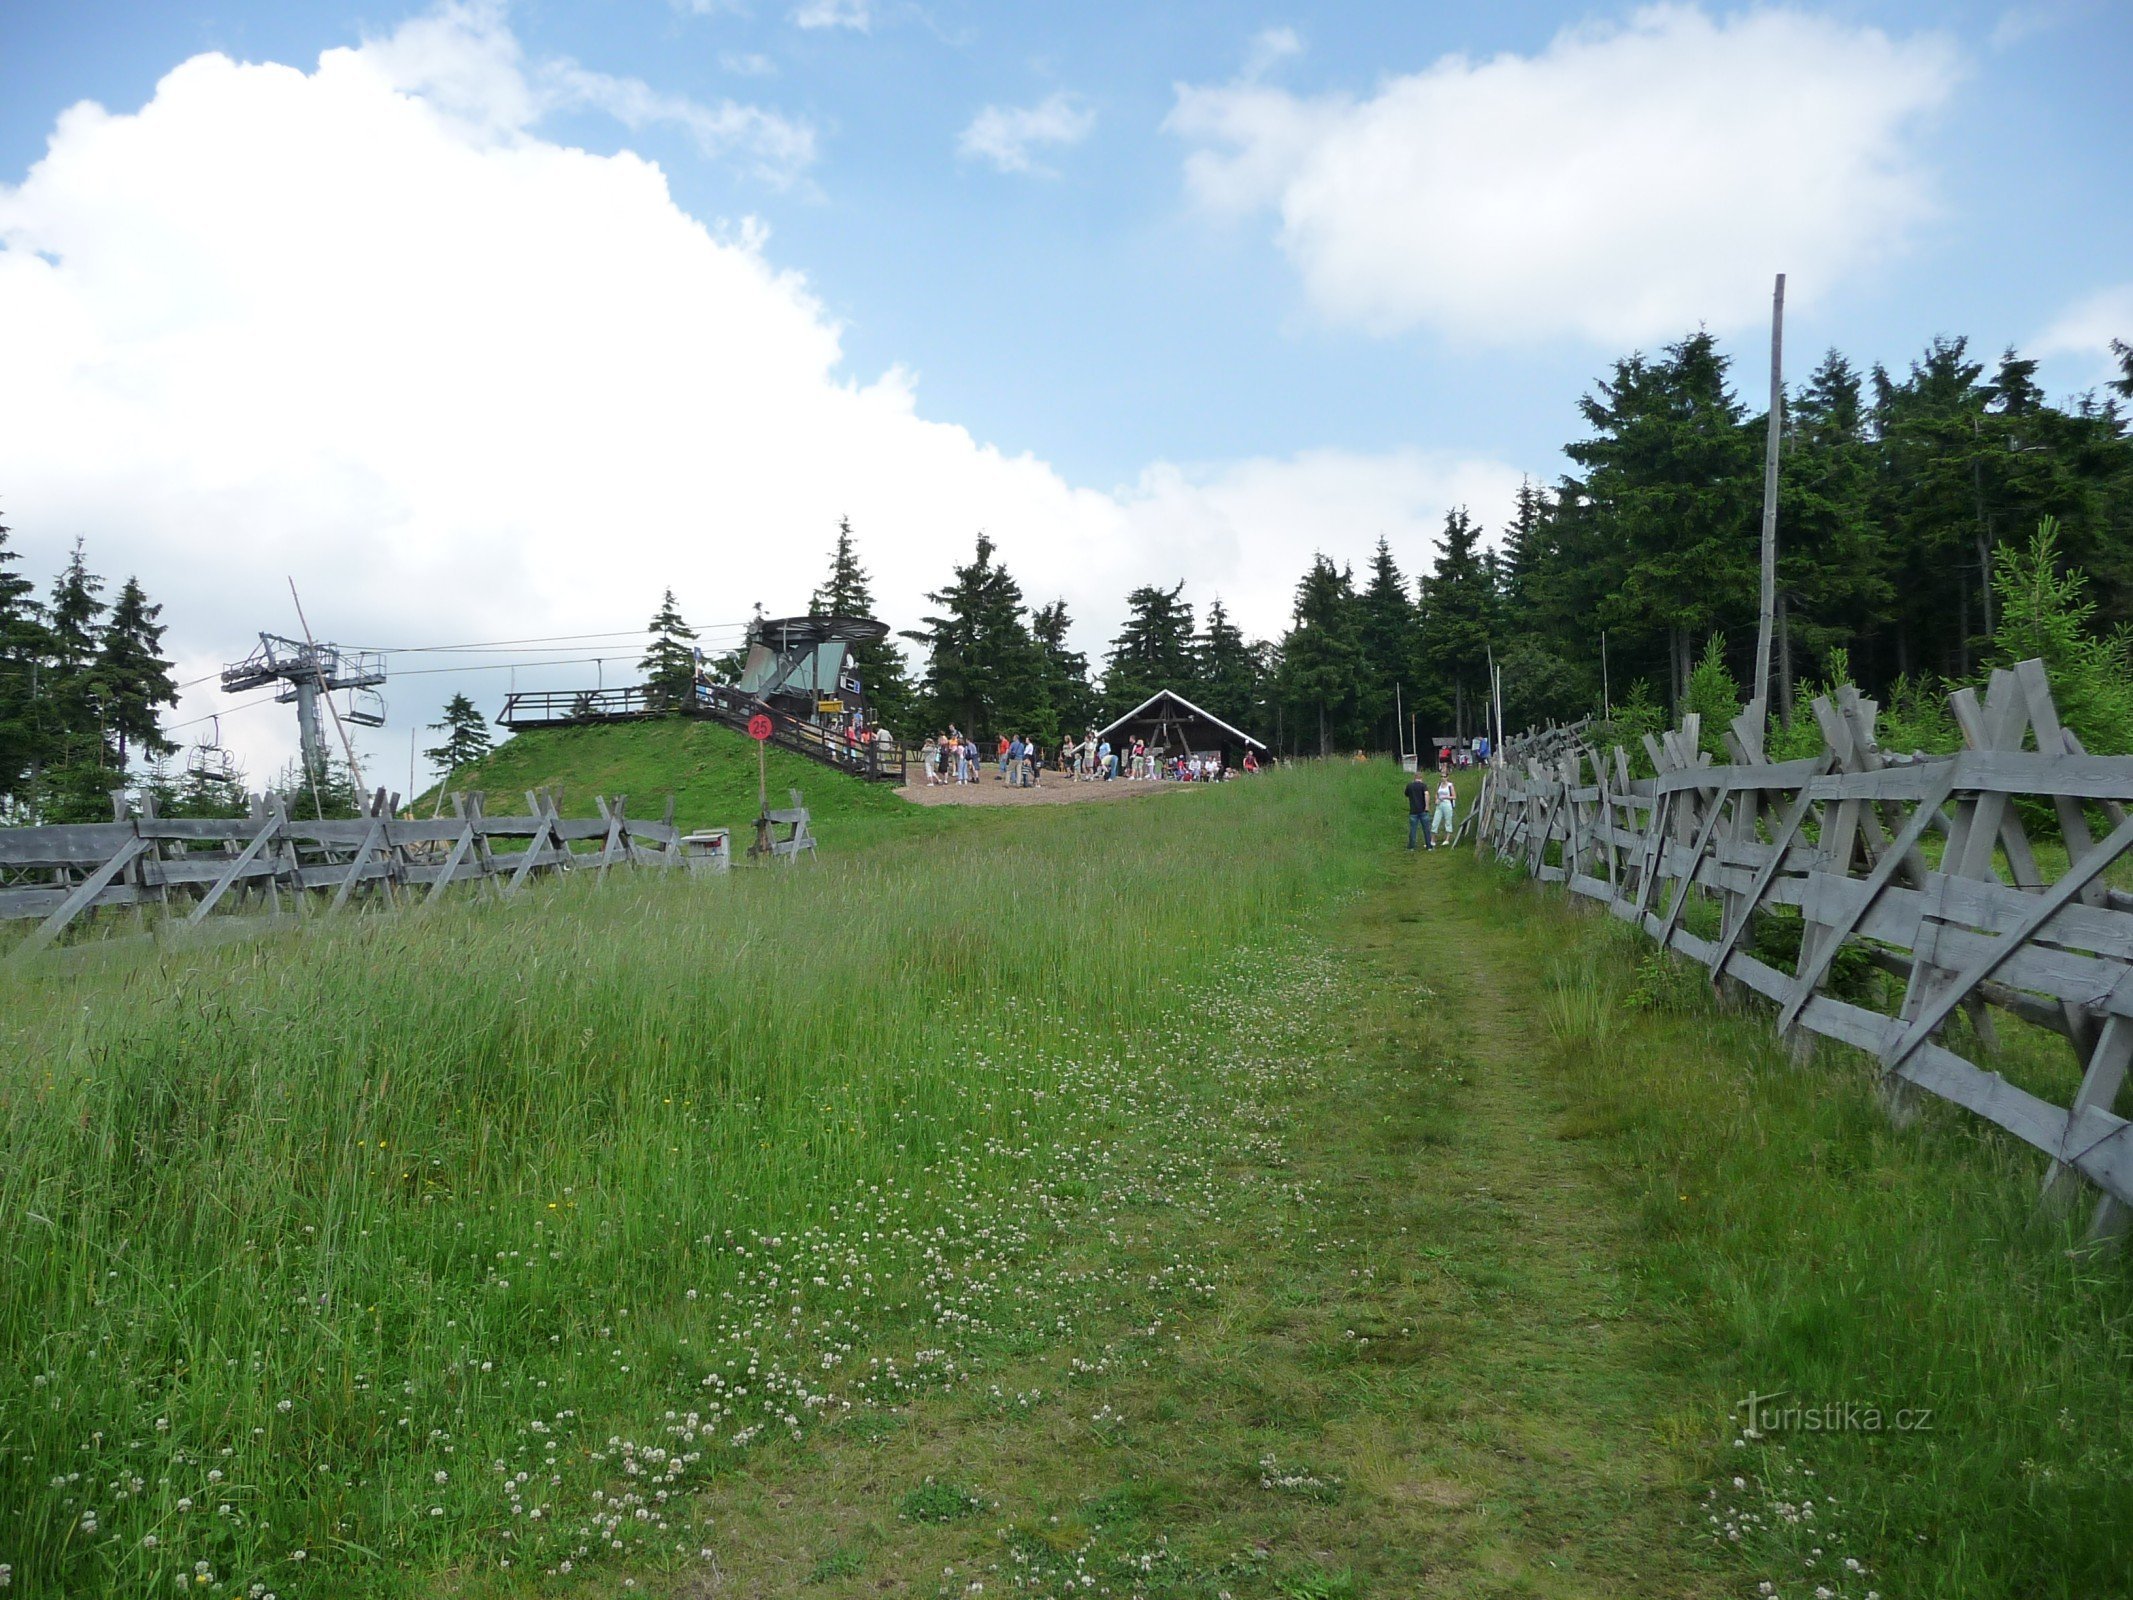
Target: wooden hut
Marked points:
1173	726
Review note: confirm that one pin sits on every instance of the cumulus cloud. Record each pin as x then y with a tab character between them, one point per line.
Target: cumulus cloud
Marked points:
359	326
1626	182
1005	135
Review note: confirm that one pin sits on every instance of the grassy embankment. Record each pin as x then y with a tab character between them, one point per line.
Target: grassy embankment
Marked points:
708	768
1950	1366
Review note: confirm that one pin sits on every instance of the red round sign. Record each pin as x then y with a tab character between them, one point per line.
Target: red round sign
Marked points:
759	726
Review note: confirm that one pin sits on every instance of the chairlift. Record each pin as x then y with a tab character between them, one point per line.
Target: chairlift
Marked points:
207	760
365	708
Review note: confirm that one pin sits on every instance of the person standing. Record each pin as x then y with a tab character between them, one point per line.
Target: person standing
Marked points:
929	756
1418	811
1447	807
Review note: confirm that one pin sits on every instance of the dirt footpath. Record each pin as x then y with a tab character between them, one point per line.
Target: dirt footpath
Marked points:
1054	789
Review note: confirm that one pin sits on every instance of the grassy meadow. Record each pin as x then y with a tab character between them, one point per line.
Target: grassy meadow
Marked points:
1178	1200
393	1249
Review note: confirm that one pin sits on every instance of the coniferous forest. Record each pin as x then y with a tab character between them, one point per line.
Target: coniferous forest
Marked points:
1910	554
1910	505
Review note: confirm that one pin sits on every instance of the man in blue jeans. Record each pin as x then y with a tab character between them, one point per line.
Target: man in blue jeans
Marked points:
1418	803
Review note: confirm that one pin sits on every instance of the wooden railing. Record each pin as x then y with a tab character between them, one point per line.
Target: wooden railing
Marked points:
882	760
1925	864
179	872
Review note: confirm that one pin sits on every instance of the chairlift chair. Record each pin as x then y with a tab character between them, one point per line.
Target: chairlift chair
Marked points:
365	708
207	760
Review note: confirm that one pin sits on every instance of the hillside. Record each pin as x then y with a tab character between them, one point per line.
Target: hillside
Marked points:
710	770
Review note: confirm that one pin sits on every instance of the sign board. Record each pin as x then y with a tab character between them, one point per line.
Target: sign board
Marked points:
759	726
830	708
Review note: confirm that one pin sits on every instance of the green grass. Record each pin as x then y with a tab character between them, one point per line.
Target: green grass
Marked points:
708	768
395	1244
1204	1199
1834	1257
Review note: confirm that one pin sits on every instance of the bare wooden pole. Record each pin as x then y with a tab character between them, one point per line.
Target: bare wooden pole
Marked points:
1768	622
347	748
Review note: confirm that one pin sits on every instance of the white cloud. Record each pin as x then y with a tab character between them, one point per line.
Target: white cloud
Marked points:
856	14
1269	48
1005	135
2019	24
2085	329
748	64
1624	184
462	382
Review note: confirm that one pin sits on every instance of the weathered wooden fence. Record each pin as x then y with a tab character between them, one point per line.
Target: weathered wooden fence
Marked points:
1924	863
182	871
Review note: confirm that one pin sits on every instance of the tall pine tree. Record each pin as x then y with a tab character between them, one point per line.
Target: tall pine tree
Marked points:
1153	650
1461	619
1070	699
848	591
1227	676
1386	623
135	676
25	648
669	662
982	669
1322	660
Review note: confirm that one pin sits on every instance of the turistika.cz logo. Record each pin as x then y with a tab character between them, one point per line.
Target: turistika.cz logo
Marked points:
1770	1413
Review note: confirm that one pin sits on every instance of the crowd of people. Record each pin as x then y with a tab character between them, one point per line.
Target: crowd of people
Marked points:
955	757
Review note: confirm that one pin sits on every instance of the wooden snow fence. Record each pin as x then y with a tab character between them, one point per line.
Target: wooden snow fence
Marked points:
275	862
1923	863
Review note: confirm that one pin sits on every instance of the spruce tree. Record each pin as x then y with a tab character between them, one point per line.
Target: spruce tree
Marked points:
25	649
669	662
1388	633
848	591
135	675
74	701
1671	492
983	673
466	736
1228	675
1322	659
1070	699
1834	580
1153	650
1462	607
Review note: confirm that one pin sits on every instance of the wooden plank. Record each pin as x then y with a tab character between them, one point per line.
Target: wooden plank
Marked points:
221	885
2082	872
1788	831
356	866
65	844
84	895
1814	969
460	851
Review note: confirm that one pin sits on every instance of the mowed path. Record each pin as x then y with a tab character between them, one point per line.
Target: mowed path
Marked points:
1419	1367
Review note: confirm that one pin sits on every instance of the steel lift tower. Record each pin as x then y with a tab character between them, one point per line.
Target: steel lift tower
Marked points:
307	673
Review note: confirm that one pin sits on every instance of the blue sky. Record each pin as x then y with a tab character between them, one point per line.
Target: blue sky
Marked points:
1284	273
1087	315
